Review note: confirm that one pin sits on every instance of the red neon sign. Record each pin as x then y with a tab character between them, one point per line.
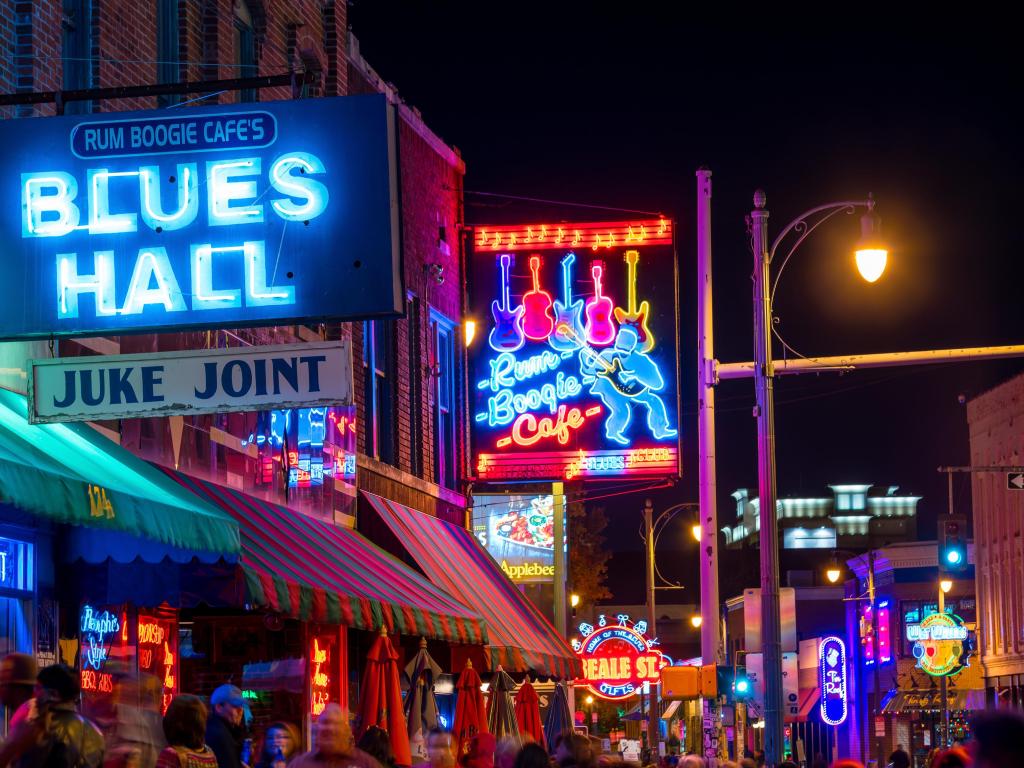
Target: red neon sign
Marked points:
529	430
319	679
594	235
618	660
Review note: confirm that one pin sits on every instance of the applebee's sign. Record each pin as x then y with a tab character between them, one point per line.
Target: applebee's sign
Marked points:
832	680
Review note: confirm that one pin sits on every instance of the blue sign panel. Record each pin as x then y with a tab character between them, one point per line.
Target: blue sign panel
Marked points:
17	565
202	217
832	680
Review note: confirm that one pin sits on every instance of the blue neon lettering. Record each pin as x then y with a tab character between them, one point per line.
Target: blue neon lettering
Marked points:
507	371
503	407
203	294
101	220
298	185
223	192
187	184
71	284
47	204
153	265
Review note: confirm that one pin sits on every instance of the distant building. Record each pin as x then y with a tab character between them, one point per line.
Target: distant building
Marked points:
997	439
852	517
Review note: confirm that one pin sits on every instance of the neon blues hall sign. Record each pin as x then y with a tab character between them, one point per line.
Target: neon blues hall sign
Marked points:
575	369
200	217
832	680
617	657
941	644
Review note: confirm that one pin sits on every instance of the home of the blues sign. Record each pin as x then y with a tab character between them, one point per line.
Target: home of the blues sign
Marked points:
199	217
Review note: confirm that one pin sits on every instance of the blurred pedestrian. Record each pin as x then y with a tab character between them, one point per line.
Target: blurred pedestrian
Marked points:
225	730
440	749
185	730
572	750
532	755
280	743
136	734
60	736
998	739
480	753
899	758
955	757
333	745
376	742
17	685
506	751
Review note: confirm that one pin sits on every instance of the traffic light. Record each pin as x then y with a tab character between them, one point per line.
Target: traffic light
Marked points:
952	543
742	688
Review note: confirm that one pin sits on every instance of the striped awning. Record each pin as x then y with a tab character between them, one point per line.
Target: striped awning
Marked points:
313	570
521	639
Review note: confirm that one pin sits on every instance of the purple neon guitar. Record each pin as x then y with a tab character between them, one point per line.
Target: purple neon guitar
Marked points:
507	334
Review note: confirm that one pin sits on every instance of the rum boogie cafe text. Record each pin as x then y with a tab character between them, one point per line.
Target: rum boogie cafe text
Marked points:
183	383
206	217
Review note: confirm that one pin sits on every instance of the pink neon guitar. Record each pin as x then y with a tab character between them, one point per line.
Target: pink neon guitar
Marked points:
538	322
600	329
631	316
507	333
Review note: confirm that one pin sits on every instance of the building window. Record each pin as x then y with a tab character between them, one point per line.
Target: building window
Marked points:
76	30
168	53
245	48
445	399
379	382
412	316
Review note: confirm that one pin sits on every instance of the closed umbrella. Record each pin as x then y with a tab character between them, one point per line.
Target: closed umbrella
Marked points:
380	699
501	715
420	705
528	712
470	717
559	718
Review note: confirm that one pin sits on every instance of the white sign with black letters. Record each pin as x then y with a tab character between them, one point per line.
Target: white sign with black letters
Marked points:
190	382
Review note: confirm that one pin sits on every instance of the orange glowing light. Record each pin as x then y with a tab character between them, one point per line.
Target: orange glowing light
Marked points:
598	234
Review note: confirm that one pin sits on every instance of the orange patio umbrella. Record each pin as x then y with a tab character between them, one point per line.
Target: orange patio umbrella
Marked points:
528	712
380	699
470	715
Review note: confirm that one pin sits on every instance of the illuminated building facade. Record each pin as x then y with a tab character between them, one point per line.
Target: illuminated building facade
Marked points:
994	419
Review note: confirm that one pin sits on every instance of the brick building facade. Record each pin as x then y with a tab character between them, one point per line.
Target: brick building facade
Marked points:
409	402
997	439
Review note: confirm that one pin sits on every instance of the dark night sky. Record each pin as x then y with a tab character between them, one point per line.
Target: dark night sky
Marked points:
620	106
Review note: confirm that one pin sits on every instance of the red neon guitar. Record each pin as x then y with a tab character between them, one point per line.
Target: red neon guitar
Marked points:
538	322
507	333
631	316
599	327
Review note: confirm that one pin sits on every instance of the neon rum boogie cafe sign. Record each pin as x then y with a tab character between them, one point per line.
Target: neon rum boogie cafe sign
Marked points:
203	217
574	370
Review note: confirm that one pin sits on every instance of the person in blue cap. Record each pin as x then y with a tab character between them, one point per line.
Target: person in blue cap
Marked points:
225	730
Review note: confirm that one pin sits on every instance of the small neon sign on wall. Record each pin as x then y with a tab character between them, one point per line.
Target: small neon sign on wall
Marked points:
575	375
832	680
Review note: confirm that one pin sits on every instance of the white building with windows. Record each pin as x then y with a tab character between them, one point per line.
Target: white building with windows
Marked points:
854	516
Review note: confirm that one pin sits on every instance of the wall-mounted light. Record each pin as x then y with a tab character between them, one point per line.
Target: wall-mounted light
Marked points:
469	331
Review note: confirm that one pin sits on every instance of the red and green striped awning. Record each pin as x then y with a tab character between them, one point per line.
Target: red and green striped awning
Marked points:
313	570
521	639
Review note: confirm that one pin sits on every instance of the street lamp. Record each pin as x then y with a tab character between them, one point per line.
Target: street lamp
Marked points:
696	620
764	289
697	531
945	585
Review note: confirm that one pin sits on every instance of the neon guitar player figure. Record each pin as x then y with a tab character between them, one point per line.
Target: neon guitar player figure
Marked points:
624	376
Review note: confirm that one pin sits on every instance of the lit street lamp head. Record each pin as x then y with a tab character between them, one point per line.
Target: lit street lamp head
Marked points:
696	621
871	252
945	585
833	574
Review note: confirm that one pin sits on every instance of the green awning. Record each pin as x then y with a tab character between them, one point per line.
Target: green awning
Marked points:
71	474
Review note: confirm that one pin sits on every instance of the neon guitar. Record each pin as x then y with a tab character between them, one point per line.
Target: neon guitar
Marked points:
600	330
507	333
538	322
596	366
567	312
631	316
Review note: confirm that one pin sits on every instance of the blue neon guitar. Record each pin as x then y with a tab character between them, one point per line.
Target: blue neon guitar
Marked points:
568	313
507	334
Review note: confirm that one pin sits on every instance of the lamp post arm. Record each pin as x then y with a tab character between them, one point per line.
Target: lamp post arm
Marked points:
805	224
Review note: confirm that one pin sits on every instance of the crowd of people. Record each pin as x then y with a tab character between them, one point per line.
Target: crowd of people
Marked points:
47	731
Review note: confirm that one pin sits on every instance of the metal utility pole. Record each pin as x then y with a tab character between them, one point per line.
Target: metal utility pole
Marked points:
653	713
711	650
771	630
